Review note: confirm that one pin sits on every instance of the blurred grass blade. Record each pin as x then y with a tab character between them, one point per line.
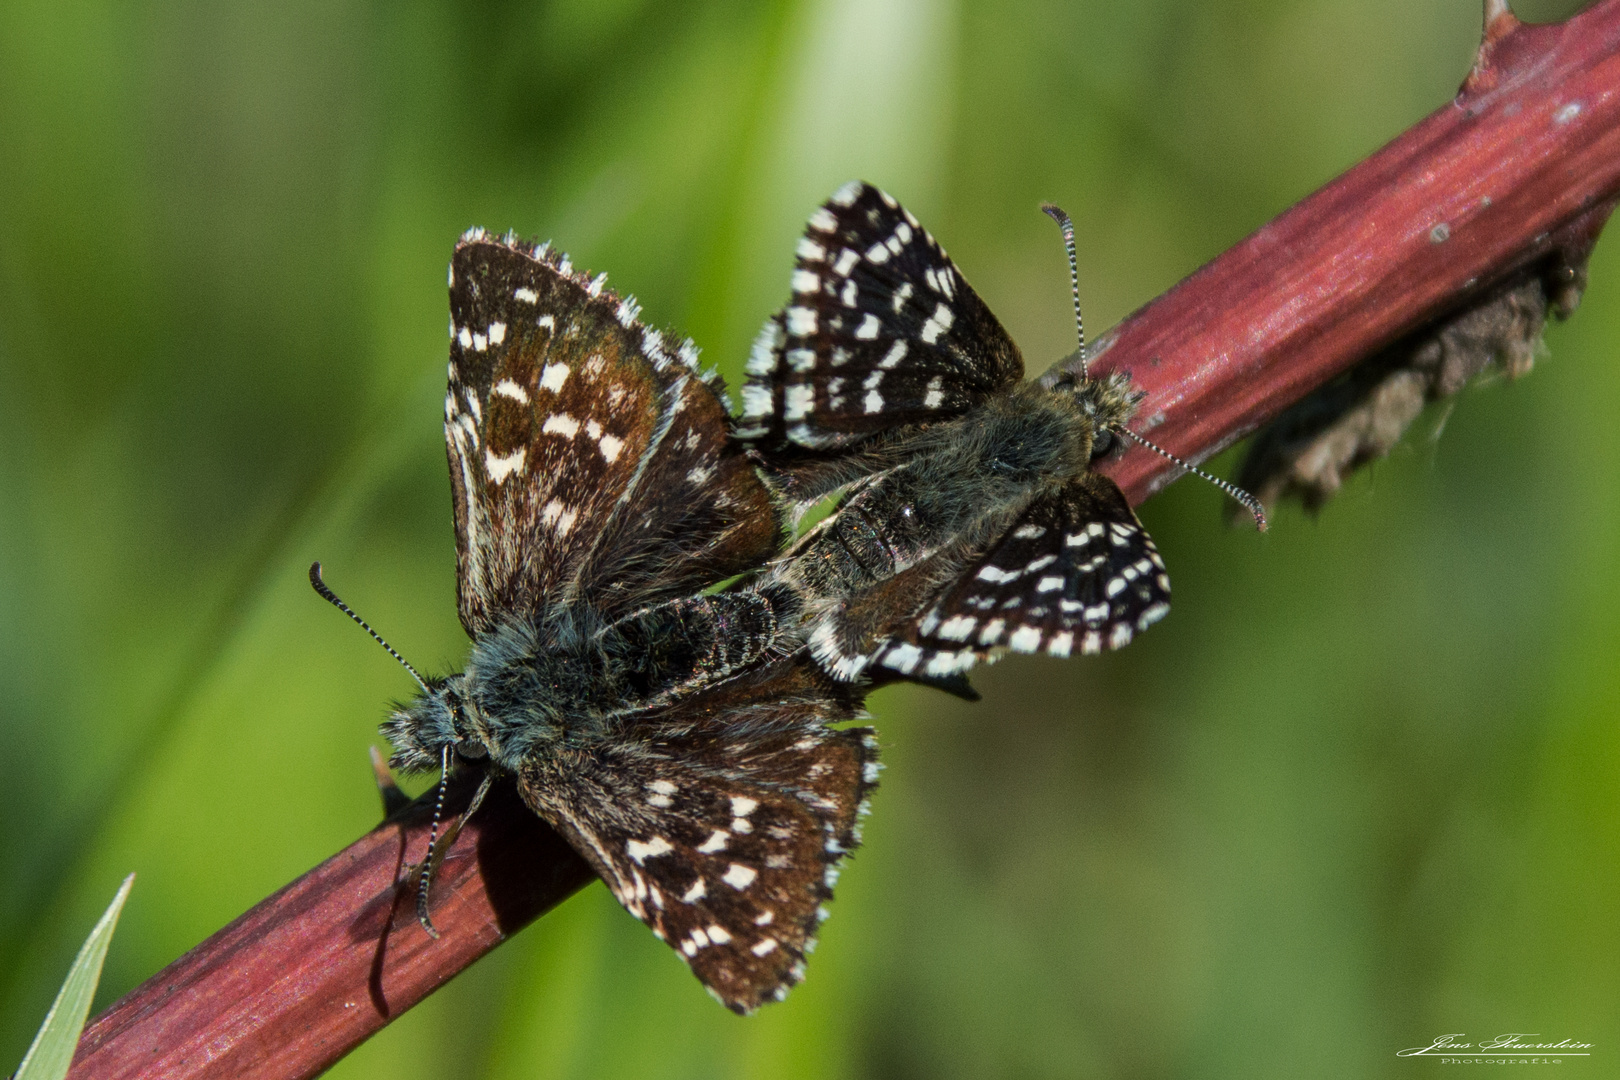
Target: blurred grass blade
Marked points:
52	1052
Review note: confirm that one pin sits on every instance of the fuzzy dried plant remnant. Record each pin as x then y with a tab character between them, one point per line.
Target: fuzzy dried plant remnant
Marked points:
1308	452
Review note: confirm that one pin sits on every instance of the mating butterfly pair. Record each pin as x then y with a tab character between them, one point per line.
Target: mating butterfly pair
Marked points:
680	739
972	524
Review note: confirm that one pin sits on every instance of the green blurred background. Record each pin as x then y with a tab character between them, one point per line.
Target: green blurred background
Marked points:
1358	791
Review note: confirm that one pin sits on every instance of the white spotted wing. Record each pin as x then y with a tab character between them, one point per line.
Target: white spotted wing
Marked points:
588	455
721	822
1076	573
882	330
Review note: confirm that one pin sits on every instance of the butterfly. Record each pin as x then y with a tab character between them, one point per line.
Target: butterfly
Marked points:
970	521
671	736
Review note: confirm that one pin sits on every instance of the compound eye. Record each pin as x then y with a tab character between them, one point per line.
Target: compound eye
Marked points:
1101	443
472	749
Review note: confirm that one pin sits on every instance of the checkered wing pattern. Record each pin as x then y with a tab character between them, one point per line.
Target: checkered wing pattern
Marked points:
588	454
1077	572
882	330
721	822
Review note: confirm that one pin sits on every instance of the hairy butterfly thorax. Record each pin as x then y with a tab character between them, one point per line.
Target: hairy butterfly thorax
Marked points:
970	521
572	682
677	739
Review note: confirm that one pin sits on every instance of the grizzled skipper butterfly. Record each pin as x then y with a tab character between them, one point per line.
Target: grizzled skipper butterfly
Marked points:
668	734
971	520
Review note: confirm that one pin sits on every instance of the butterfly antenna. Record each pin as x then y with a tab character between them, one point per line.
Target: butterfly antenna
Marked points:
1057	215
332	598
426	879
437	847
1064	223
1249	501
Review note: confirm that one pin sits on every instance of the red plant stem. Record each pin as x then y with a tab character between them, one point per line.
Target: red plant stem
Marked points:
1524	161
317	968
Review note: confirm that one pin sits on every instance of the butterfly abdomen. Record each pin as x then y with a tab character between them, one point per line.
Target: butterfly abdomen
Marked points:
961	483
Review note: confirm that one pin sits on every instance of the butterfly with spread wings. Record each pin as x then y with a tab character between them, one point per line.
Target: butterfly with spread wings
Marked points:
669	735
970	522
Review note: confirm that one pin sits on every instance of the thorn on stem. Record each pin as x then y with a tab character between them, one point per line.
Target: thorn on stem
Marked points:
1499	22
393	799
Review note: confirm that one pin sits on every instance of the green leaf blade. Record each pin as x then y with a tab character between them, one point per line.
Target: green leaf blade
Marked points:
51	1054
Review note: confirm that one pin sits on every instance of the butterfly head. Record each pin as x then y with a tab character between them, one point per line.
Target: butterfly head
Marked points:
439	717
1108	402
442	715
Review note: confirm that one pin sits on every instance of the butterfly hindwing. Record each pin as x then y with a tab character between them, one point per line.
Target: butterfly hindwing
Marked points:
1075	573
560	407
720	823
882	331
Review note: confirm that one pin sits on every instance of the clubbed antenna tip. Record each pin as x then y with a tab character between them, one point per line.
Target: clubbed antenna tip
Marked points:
1057	215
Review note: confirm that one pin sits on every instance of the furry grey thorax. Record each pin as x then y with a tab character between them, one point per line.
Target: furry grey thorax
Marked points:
525	687
570	681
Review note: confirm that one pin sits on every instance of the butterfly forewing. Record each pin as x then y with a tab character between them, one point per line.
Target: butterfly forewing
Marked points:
720	824
882	330
1076	573
694	514
559	406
